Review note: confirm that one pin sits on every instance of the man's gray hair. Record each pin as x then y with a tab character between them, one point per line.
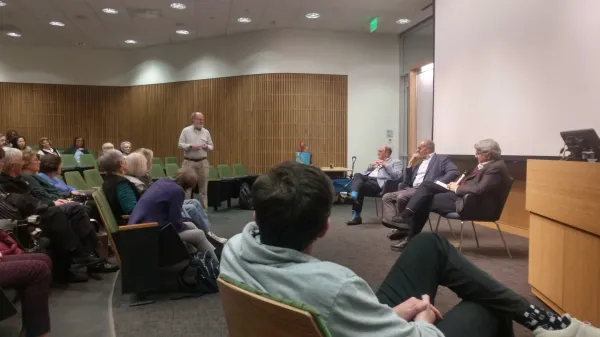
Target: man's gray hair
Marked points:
110	162
123	144
489	147
387	149
11	155
196	113
186	178
137	165
429	144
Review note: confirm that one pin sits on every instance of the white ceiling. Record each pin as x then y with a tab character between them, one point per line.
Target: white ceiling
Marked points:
86	23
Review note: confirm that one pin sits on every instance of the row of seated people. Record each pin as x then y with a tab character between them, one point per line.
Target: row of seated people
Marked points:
131	192
407	209
277	259
66	223
78	148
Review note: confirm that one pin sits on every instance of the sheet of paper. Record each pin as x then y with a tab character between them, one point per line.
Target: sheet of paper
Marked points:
441	184
460	179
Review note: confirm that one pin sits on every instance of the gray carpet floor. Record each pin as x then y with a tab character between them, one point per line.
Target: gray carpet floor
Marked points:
364	249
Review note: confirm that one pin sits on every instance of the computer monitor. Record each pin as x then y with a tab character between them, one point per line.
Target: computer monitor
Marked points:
579	141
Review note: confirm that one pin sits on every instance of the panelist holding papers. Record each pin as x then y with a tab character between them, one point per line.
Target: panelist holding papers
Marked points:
451	186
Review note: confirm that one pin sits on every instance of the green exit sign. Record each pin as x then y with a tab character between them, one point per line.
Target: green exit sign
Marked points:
374	24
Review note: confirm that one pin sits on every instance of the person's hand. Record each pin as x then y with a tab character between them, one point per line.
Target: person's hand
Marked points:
76	193
430	314
203	146
60	202
414	160
453	186
196	147
378	162
410	308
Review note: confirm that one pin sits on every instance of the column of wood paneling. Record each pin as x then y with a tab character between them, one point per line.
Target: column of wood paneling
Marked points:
258	120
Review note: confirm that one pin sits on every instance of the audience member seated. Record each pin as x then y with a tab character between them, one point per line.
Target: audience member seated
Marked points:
50	171
46	147
107	146
370	183
149	154
68	239
121	194
125	148
292	208
162	204
19	143
137	170
40	188
424	165
10	134
486	183
78	148
31	275
2	140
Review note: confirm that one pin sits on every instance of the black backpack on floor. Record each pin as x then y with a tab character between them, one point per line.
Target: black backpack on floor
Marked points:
203	279
246	197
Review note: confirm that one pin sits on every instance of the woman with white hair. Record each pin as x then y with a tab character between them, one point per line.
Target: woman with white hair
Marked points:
125	148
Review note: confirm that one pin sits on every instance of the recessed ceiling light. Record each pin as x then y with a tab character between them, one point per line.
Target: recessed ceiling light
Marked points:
244	20
403	21
2	3
57	23
182	32
177	5
130	41
313	15
110	11
14	34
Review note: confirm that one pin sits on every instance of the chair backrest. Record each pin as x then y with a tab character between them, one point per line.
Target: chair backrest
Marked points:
157	161
504	197
93	178
224	171
157	172
88	160
68	160
212	173
251	313
239	170
110	223
171	160
171	169
74	178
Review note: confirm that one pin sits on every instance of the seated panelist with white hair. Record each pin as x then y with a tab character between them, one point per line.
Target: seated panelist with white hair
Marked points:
486	182
370	183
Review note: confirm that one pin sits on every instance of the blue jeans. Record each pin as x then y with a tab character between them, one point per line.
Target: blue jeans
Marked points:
193	209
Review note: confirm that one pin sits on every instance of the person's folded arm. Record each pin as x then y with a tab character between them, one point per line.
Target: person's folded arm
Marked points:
490	180
127	198
449	171
395	169
183	142
175	217
209	143
357	312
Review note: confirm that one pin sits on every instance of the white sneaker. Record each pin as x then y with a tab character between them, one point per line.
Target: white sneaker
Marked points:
575	329
216	238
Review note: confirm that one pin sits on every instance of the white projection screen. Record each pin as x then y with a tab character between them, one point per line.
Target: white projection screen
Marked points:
517	71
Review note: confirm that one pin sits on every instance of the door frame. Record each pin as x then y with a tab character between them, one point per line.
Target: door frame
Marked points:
411	134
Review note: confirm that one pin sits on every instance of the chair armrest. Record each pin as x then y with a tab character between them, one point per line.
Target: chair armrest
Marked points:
125	217
138	226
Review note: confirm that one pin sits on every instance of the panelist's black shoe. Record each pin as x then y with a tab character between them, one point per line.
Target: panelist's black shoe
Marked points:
86	260
400	245
400	219
395	225
397	234
355	221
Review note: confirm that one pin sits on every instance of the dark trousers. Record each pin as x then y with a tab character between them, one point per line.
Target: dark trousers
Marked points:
30	275
365	187
57	227
429	260
429	197
81	225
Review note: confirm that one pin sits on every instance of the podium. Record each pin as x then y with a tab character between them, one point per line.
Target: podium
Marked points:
563	200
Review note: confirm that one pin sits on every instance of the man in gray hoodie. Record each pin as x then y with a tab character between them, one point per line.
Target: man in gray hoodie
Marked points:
292	205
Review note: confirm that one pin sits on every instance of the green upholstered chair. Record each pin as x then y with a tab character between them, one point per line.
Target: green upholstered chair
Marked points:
239	170
212	173
157	161
171	160
75	179
224	171
157	172
88	160
68	161
93	178
253	313
171	169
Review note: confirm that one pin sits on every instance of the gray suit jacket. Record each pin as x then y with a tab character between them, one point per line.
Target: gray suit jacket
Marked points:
440	168
392	171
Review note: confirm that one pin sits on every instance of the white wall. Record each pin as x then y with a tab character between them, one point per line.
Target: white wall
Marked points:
65	66
516	71
370	61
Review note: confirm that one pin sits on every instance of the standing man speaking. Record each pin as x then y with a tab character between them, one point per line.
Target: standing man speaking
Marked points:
195	141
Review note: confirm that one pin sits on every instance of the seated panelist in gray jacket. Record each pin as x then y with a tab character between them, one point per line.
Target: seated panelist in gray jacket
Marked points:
370	183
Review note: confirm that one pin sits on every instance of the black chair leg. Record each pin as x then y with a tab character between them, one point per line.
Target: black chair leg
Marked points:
462	223
437	225
430	226
452	229
503	241
475	232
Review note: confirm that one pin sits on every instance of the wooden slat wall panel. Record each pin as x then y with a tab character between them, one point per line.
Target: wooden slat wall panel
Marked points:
257	120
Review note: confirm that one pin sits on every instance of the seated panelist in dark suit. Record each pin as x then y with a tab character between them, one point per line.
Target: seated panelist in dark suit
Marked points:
486	183
425	165
371	182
